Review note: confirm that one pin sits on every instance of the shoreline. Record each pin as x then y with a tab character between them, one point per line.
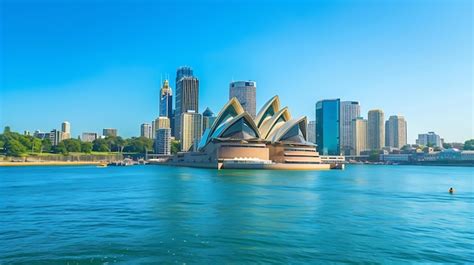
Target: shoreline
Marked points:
48	163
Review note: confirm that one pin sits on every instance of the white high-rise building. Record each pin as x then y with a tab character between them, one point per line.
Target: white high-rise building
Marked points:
396	132
146	130
163	141
191	130
350	110
246	93
359	141
376	130
88	137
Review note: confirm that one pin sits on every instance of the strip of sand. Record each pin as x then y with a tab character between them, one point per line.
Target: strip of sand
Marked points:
48	163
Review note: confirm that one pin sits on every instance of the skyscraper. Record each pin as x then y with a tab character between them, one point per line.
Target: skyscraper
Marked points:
327	126
396	131
376	130
160	123
246	93
65	130
146	130
191	124
359	141
166	100
109	132
349	111
311	134
163	141
187	93
207	119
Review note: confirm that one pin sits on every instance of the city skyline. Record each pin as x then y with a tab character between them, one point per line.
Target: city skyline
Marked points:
418	73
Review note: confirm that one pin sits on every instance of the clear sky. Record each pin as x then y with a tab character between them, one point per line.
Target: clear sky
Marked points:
98	64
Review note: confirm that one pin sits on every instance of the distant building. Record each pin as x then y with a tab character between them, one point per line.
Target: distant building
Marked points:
246	93
376	130
429	139
208	119
187	96
327	126
191	124
88	137
146	130
160	122
65	130
350	110
27	133
396	132
166	100
311	132
163	141
109	132
359	141
41	135
55	137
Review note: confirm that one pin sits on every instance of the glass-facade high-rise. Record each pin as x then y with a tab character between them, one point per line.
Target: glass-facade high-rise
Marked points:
349	111
166	100
328	126
187	96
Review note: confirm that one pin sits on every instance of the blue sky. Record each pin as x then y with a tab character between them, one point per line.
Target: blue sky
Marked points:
99	63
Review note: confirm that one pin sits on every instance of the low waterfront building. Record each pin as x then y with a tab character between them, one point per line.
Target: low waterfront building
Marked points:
429	139
88	137
272	140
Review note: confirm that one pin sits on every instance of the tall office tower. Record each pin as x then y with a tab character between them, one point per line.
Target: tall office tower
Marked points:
146	130
88	137
376	130
55	137
191	124
166	100
246	93
396	132
429	139
109	132
311	134
359	141
327	126
187	94
349	111
65	130
163	141
208	119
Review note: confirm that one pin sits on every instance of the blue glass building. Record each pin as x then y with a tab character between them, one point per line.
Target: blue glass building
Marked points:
327	126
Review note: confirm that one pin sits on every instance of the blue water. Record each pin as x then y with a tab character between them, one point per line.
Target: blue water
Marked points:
158	214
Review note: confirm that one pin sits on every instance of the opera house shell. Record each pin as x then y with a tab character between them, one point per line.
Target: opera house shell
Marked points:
273	140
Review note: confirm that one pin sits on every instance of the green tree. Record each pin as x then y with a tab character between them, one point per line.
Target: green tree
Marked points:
36	144
14	148
374	156
138	145
46	145
175	146
100	145
86	147
60	149
469	145
72	145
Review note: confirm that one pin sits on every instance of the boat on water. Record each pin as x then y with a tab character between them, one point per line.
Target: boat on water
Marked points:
102	165
125	162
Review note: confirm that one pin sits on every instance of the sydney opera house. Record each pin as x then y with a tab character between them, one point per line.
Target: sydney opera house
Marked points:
273	140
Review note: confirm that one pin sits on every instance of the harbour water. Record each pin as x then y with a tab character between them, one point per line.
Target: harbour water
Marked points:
160	214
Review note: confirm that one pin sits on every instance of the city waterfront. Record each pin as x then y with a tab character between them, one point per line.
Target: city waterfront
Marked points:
160	214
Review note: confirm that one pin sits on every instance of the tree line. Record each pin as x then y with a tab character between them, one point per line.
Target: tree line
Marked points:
16	144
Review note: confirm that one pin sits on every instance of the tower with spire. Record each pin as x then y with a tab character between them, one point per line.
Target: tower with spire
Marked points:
166	100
